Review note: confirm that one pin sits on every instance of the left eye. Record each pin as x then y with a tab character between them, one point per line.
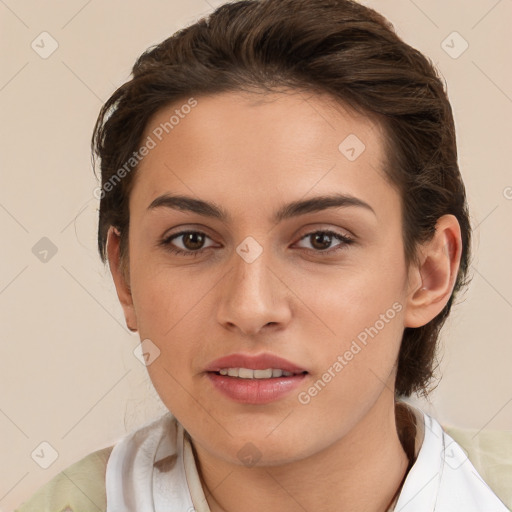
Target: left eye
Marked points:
324	240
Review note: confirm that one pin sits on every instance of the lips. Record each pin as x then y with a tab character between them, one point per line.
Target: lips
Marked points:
247	380
254	362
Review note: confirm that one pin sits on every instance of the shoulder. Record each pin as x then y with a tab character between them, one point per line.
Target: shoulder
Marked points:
490	452
78	488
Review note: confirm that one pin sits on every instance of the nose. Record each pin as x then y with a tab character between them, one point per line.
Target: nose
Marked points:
253	296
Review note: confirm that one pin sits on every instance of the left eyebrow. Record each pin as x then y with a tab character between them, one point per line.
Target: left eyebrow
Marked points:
293	209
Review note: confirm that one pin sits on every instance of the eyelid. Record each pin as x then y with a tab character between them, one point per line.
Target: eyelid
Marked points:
183	229
306	230
325	228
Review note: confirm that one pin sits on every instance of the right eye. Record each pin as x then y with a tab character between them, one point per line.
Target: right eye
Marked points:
191	238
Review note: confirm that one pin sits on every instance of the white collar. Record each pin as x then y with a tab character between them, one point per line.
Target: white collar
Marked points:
443	478
145	471
153	470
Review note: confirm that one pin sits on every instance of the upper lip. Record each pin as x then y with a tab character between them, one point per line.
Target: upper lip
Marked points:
255	362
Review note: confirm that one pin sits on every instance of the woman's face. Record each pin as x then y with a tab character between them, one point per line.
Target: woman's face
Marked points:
257	283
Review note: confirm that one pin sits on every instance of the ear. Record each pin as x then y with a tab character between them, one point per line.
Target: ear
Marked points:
431	284
121	281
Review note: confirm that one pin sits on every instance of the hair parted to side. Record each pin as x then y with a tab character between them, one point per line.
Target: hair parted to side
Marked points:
337	47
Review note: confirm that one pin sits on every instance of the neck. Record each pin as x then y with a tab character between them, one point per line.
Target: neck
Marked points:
362	471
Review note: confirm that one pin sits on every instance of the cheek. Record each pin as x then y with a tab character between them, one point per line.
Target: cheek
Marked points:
361	313
350	298
163	299
168	309
174	309
355	358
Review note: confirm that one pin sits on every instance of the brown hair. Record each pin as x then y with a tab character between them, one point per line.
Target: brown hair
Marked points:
337	47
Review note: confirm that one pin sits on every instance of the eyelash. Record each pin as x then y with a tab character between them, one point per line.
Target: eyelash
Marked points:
166	242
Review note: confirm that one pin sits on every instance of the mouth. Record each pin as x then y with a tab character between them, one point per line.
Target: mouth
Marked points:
254	379
255	387
250	373
248	366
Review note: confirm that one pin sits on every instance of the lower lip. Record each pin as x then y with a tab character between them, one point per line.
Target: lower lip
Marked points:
255	391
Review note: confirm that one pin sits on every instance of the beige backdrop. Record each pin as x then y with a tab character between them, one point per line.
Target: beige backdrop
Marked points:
68	375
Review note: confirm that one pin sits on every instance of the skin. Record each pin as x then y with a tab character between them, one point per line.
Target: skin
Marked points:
251	155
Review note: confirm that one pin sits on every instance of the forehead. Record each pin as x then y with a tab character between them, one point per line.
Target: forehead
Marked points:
247	148
286	120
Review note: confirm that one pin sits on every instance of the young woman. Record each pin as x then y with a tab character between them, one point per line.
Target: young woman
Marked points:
287	229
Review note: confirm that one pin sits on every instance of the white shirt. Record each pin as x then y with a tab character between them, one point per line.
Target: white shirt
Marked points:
153	470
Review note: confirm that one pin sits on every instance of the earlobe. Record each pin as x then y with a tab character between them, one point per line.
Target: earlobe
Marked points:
434	279
120	279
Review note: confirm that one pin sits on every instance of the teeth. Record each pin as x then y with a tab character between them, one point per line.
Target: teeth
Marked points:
245	373
248	373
